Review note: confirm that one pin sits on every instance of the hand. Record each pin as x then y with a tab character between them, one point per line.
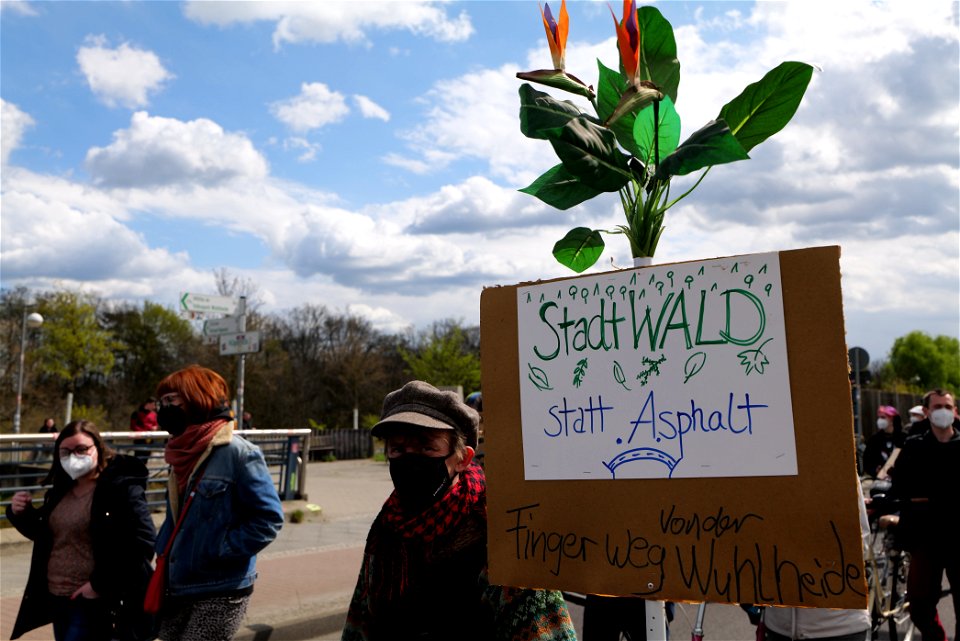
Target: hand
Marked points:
20	502
86	591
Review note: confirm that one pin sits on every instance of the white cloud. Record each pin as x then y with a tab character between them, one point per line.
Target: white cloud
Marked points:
308	150
370	109
13	122
156	151
57	230
315	107
21	7
328	22
123	76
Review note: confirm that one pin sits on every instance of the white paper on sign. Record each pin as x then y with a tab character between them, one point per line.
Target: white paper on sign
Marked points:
673	371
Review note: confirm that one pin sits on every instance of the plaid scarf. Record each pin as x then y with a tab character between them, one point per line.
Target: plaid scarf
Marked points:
391	570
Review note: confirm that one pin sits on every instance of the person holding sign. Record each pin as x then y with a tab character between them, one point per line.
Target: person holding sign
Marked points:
424	571
926	480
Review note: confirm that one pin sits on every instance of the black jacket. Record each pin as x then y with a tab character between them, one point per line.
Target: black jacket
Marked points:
122	534
928	469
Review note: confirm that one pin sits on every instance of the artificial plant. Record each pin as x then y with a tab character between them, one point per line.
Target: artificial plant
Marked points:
631	145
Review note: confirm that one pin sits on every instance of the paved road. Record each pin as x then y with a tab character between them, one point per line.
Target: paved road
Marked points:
308	574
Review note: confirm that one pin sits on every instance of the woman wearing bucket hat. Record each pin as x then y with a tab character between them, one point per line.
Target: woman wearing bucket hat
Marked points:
424	565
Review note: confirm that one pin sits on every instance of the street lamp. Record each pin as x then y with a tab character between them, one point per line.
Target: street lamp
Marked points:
32	321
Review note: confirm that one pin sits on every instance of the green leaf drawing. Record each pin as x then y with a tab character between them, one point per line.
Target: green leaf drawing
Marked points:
579	372
754	359
619	376
538	377
693	365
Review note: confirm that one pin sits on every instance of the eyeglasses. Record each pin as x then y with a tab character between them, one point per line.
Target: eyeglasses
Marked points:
79	450
170	399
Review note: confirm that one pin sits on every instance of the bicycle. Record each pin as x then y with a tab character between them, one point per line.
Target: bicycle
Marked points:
886	567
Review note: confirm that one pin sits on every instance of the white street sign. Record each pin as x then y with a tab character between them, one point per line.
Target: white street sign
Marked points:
220	326
207	304
245	343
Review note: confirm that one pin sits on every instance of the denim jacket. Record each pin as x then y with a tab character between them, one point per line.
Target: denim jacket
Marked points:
235	513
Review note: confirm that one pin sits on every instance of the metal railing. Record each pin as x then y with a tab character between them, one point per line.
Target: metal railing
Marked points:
25	460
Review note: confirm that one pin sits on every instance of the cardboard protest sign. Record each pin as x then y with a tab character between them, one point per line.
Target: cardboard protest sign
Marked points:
677	432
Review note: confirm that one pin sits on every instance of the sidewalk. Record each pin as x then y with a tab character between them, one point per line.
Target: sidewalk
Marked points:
306	576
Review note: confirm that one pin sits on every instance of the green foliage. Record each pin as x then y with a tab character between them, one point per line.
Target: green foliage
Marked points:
152	342
97	414
74	343
924	362
367	421
443	357
579	249
635	113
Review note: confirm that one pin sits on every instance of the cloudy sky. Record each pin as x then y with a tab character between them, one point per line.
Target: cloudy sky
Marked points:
367	156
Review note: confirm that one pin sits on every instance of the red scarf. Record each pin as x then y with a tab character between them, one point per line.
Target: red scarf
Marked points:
395	534
184	451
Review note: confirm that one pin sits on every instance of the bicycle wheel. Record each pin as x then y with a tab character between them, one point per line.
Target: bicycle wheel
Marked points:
899	626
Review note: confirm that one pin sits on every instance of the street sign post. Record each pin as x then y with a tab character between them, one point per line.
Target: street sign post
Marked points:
242	343
221	326
206	304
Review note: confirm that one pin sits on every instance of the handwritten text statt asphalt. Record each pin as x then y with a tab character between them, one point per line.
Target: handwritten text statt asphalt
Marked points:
660	372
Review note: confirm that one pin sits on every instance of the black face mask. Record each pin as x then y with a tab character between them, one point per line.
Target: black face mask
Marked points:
420	480
173	419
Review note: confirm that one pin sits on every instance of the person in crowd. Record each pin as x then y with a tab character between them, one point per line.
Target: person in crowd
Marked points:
916	415
49	426
820	624
880	446
144	419
424	570
928	468
922	426
234	514
247	421
93	541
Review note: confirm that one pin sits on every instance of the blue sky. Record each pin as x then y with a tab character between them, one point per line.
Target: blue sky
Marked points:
367	156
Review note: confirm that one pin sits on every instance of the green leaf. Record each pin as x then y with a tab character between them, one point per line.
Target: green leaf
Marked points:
658	51
765	107
579	249
539	111
610	87
714	144
559	79
559	188
669	132
590	153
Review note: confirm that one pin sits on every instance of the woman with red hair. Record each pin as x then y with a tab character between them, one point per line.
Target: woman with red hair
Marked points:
234	511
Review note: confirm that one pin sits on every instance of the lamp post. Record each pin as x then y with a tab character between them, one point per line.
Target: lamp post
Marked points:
31	321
